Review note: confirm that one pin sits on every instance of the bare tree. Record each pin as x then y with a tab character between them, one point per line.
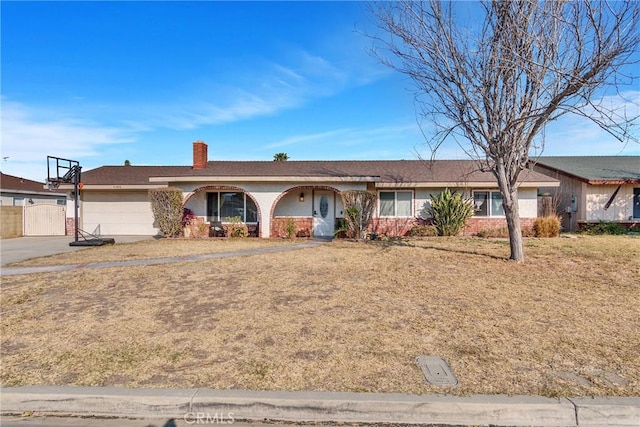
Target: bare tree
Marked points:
498	81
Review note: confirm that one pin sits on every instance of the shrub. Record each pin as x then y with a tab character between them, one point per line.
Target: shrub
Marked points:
604	227
359	207
188	217
423	231
236	227
341	228
503	232
450	212
290	228
547	226
166	205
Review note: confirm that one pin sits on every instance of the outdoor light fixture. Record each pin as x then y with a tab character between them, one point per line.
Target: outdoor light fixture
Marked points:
302	197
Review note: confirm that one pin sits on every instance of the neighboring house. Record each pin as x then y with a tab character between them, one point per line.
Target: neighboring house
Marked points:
114	199
16	191
595	188
28	209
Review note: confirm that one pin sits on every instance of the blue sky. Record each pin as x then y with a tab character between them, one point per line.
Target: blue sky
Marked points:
105	82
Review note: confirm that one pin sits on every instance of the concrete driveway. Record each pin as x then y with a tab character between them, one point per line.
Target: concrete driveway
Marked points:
22	248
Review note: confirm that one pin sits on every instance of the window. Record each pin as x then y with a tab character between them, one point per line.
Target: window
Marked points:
223	205
396	203
636	202
487	203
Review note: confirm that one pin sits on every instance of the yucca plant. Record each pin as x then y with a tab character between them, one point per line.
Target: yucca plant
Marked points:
450	212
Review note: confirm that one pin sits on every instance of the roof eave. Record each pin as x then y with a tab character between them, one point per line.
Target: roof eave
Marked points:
292	178
114	186
474	184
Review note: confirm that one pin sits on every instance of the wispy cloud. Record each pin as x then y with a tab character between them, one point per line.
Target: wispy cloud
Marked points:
30	134
85	128
390	142
267	88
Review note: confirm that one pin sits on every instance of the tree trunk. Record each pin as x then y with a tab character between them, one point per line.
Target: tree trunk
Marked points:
511	212
513	224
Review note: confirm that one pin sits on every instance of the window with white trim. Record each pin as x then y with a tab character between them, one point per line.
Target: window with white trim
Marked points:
224	205
487	203
395	203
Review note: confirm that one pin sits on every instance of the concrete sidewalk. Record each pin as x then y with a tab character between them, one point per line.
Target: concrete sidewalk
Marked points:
12	271
321	406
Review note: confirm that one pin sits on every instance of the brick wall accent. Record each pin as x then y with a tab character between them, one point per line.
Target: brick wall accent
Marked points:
304	226
70	226
196	229
394	226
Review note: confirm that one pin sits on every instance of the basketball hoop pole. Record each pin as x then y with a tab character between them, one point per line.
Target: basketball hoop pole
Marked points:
76	200
71	175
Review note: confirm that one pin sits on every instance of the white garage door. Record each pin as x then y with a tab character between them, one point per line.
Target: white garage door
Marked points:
117	213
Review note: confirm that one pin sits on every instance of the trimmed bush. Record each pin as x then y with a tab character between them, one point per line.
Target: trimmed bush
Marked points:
166	205
604	228
503	232
547	226
423	231
450	212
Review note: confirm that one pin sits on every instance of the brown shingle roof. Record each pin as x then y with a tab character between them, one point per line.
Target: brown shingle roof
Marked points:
16	183
385	171
596	169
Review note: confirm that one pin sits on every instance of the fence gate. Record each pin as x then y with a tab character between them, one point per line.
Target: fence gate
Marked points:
44	220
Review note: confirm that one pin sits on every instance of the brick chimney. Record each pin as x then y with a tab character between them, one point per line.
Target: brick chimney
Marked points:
200	157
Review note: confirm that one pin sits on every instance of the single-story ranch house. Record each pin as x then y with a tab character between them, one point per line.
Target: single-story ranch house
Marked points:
17	191
268	194
595	188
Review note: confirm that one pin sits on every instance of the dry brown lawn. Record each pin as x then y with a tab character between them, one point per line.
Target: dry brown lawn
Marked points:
343	316
148	249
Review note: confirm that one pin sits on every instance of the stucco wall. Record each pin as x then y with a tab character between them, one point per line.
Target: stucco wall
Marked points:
7	199
290	205
597	196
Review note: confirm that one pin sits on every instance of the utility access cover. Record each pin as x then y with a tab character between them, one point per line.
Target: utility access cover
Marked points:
436	371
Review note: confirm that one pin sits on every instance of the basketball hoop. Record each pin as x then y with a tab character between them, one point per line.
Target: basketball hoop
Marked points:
53	184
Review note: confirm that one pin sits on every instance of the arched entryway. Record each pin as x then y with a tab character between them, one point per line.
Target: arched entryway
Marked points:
306	211
222	202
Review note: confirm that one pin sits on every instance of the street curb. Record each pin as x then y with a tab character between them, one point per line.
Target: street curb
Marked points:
495	410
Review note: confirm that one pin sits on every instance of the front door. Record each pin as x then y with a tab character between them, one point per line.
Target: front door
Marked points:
323	214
